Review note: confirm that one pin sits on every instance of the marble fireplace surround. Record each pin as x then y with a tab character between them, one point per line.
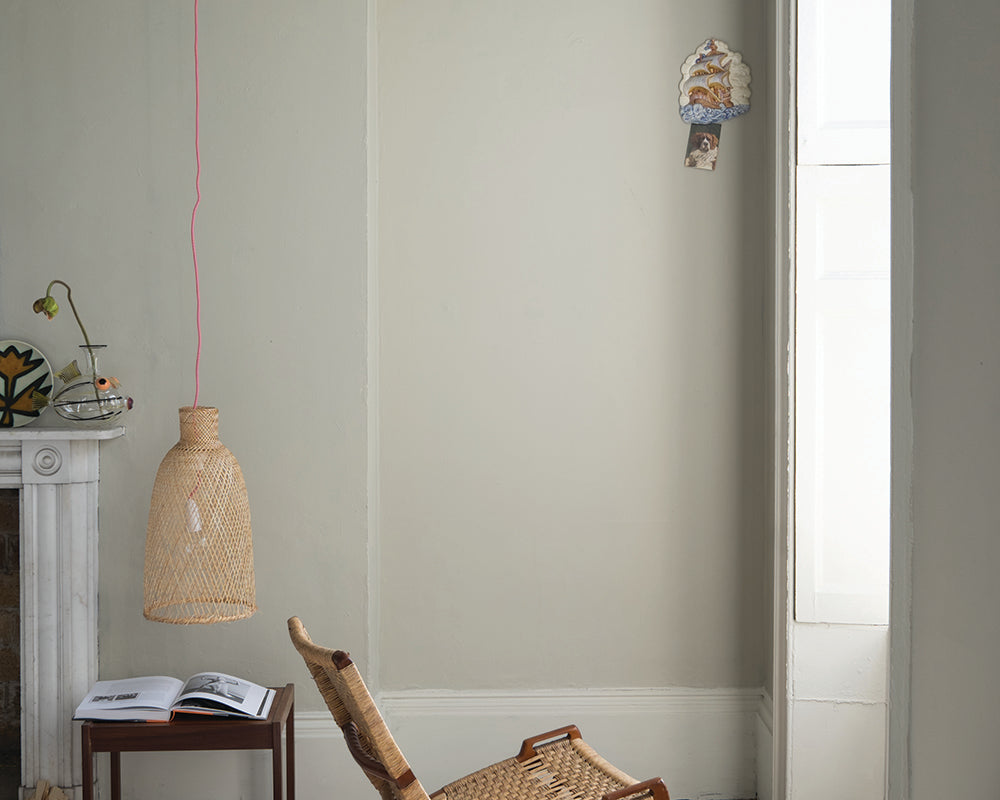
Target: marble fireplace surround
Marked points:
57	472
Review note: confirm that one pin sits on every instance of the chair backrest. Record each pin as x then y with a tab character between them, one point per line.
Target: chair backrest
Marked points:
354	711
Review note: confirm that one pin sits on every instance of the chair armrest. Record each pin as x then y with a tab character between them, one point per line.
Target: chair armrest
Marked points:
528	745
655	786
371	765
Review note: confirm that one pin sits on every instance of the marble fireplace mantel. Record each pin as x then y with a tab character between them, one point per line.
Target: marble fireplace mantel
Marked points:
56	470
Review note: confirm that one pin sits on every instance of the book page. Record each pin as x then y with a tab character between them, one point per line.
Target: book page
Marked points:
218	691
154	692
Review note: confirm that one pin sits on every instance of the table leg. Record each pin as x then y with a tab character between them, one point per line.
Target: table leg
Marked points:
290	751
276	760
88	765
116	776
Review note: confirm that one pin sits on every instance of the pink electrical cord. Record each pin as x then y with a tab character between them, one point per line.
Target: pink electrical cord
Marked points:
194	211
193	514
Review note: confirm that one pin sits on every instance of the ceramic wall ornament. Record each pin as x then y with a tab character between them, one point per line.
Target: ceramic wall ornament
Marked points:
714	88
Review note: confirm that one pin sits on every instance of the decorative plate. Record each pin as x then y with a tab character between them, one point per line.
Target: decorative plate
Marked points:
23	370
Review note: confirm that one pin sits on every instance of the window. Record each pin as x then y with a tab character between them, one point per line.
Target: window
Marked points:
842	312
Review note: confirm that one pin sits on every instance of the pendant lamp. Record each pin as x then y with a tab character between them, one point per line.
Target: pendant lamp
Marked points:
199	548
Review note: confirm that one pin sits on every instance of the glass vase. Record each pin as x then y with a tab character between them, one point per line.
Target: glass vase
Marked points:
88	397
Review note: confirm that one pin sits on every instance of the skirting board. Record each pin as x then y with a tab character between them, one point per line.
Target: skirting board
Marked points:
704	743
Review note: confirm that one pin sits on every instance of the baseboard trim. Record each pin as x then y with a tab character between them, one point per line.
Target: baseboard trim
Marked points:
434	702
423	702
765	711
315	725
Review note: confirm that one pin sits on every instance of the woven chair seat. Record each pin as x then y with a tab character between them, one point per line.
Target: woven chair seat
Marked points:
566	769
557	765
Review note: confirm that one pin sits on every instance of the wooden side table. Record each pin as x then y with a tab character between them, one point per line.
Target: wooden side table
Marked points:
217	733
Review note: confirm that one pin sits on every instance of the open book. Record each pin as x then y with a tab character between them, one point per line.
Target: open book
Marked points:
158	698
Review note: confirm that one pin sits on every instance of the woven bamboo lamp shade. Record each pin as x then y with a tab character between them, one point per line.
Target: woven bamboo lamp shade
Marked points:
199	550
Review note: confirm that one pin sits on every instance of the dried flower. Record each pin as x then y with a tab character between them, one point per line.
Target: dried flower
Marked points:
46	305
49	307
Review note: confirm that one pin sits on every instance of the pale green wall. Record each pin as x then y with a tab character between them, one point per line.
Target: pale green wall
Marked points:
96	187
570	455
952	525
572	368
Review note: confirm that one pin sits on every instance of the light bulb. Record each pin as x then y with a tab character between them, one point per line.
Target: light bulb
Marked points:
193	516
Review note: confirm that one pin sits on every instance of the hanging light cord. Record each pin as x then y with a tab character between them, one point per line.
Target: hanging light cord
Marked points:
194	211
194	249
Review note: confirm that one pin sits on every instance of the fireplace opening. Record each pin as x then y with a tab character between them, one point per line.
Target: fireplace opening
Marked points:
10	644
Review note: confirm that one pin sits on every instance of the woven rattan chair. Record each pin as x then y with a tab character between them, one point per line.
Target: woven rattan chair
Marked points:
557	765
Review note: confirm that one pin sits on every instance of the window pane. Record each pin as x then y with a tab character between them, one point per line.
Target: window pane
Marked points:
843	79
842	395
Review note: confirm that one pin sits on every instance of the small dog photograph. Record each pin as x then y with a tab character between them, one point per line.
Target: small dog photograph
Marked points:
703	146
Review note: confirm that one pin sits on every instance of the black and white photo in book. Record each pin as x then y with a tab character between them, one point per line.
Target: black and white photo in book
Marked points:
221	685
